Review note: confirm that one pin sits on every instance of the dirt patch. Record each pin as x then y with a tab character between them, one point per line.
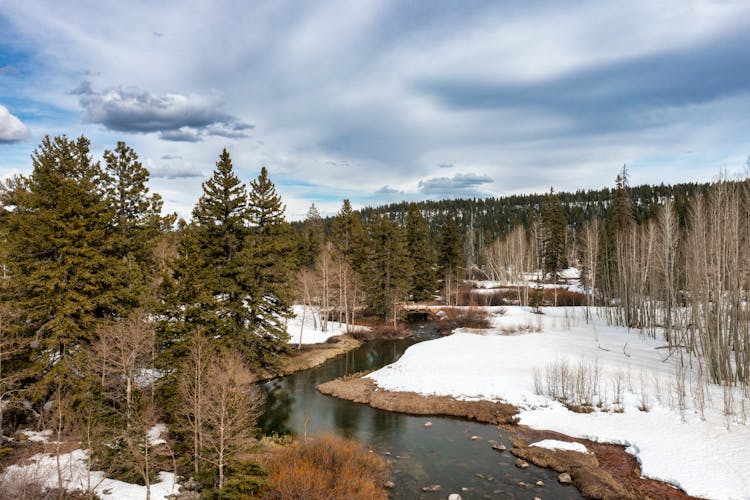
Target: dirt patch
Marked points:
608	472
364	390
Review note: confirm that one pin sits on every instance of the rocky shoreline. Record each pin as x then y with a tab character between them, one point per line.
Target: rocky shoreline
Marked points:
607	472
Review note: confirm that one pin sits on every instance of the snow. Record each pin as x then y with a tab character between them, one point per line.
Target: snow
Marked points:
706	456
554	444
42	468
310	334
155	434
37	436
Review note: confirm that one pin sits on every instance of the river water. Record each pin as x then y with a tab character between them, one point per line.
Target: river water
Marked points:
442	454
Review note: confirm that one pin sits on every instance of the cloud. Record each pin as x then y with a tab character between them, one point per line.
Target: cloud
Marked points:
11	128
177	117
175	173
388	190
446	165
459	184
171	157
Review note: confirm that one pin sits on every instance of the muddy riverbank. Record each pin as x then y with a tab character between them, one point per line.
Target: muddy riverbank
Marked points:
607	472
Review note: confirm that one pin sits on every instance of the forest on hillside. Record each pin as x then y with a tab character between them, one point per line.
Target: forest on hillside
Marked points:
115	316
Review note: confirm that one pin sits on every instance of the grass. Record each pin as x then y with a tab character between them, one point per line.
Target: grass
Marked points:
326	467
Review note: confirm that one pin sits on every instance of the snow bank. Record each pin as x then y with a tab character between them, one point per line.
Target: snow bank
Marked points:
42	469
554	444
311	334
699	455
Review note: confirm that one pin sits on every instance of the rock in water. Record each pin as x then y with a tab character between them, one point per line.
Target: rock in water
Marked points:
564	478
475	438
428	424
389	484
522	464
431	488
454	496
540	483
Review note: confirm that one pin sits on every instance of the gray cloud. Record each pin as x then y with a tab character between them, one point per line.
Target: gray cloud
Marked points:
177	117
171	157
446	165
459	184
175	173
12	129
388	190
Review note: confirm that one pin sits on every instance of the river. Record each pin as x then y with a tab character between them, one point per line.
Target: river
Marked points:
442	454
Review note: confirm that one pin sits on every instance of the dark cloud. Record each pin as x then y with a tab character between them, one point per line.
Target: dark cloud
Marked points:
617	96
175	173
459	184
388	190
177	117
171	157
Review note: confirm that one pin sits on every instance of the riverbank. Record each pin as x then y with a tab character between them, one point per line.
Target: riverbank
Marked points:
312	355
608	471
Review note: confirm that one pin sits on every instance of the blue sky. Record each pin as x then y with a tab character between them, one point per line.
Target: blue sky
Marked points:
383	101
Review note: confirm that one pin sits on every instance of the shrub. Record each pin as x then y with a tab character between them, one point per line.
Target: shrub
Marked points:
462	317
327	467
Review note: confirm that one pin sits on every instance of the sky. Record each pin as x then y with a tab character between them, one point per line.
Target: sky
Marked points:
381	101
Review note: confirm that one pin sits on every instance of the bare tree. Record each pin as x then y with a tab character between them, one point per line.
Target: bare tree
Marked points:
231	406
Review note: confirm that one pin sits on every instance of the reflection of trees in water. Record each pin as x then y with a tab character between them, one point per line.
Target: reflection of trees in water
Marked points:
346	419
277	410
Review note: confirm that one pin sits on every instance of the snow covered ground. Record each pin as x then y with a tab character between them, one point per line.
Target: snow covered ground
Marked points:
42	469
311	334
706	455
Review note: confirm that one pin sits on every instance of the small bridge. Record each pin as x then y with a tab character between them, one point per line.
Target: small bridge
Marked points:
420	312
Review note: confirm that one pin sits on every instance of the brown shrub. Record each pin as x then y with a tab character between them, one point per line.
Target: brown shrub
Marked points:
564	297
462	317
327	467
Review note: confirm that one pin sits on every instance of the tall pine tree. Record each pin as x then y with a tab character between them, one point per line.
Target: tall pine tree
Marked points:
267	263
421	254
390	269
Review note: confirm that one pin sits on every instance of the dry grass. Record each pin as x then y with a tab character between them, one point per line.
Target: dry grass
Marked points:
327	467
462	317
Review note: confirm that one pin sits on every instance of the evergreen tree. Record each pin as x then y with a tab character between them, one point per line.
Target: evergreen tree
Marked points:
390	269
138	222
66	277
312	238
450	257
421	254
208	287
267	265
554	228
222	210
349	237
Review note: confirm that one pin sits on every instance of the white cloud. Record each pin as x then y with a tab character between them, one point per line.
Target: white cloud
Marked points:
11	128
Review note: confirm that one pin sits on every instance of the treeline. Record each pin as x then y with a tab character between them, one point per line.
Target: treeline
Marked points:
493	217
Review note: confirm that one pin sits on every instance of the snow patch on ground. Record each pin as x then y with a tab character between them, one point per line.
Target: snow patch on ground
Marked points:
311	331
155	434
37	436
42	469
554	444
694	452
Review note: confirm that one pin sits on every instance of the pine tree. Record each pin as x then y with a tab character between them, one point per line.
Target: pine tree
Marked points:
267	265
138	221
312	239
349	238
450	257
222	209
390	269
421	254
554	228
207	288
66	277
